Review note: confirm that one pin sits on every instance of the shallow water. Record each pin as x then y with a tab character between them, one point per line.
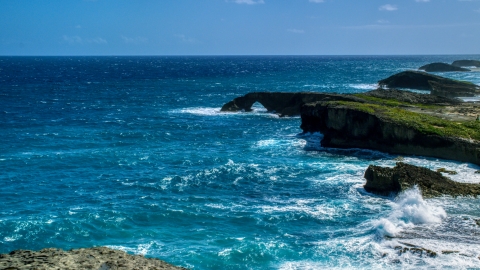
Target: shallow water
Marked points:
134	153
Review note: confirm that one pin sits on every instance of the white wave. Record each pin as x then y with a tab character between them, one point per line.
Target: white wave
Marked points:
470	99
317	210
199	111
273	143
267	143
312	86
363	86
304	265
409	209
206	111
142	249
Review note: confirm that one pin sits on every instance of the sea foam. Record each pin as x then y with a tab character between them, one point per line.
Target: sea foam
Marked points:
409	209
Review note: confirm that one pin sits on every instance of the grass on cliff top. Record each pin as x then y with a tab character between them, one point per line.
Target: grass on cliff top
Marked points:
394	102
426	124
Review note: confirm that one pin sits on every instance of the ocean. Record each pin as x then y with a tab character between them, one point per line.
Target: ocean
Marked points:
133	153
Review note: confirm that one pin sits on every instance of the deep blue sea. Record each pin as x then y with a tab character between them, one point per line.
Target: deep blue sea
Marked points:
133	153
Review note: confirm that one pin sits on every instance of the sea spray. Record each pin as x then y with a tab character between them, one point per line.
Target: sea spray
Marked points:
409	209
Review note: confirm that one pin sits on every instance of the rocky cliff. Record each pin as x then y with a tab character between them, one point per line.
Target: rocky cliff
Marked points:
391	130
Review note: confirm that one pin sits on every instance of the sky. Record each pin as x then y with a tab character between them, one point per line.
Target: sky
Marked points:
239	27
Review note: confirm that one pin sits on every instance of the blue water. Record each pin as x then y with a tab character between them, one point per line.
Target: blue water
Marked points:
133	153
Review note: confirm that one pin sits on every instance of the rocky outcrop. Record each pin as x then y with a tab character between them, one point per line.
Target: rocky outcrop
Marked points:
466	63
452	91
282	103
90	258
384	181
411	97
441	67
423	81
346	126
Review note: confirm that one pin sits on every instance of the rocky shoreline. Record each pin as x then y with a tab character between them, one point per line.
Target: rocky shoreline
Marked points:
101	258
393	121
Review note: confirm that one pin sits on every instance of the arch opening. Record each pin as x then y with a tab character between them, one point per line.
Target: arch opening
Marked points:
258	107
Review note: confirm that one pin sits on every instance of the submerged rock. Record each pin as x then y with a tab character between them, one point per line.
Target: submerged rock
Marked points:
441	67
384	181
84	258
466	63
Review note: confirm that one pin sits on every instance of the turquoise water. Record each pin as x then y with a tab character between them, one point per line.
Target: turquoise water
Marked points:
133	153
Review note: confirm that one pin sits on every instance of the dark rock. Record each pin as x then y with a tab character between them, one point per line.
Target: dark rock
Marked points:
88	258
380	181
443	170
466	63
282	103
384	181
421	81
449	251
453	90
344	126
289	104
411	97
416	251
441	67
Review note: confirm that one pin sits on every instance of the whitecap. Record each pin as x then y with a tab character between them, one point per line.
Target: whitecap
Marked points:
409	209
204	111
363	86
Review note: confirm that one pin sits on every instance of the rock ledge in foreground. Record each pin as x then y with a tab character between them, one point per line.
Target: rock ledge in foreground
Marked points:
85	258
384	181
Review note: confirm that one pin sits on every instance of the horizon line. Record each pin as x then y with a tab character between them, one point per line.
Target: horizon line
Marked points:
224	55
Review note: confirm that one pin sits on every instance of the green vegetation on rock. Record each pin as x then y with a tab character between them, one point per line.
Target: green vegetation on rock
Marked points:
424	123
394	102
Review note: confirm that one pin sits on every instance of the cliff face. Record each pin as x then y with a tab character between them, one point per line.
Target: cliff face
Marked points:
346	127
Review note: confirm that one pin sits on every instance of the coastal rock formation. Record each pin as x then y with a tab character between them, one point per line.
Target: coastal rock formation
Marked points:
466	63
452	90
411	97
283	103
423	81
441	67
384	180
90	258
391	130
